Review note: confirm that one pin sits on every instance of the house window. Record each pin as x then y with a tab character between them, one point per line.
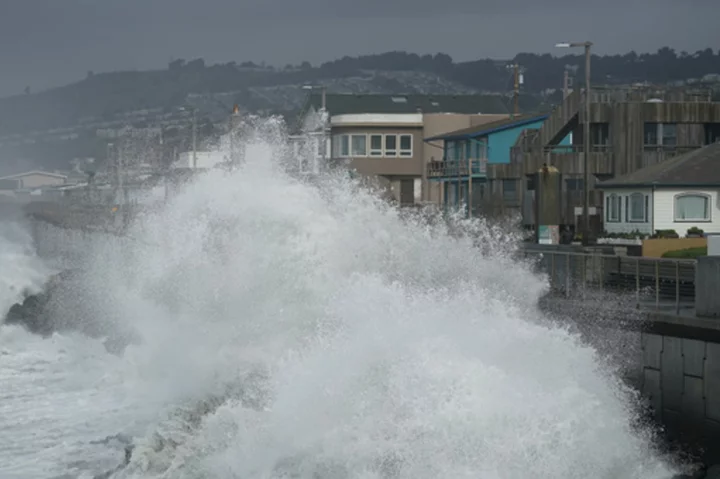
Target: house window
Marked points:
320	147
637	208
479	149
692	207
406	145
531	183
612	208
509	190
600	134
574	184
456	150
660	134
341	146
359	145
669	134
390	145
376	145
712	133
650	134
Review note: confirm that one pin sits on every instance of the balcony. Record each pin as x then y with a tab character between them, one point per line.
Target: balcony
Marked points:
440	170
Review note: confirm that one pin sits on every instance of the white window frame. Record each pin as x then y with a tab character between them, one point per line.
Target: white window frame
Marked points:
337	146
708	206
387	151
365	138
613	200
629	215
404	152
374	152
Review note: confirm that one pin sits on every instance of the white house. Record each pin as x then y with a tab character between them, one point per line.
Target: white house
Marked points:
676	194
35	179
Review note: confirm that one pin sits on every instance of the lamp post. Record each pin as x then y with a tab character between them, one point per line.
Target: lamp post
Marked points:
324	116
586	136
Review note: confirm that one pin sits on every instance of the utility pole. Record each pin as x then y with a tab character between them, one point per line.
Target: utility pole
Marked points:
516	90
586	138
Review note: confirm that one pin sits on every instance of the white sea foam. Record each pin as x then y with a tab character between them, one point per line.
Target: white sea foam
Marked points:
294	331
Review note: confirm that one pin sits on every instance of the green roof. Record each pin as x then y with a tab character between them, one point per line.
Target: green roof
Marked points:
698	168
341	104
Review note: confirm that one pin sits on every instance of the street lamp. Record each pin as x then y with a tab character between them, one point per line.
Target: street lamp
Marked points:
586	136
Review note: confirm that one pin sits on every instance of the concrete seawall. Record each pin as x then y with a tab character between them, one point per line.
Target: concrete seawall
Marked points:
671	349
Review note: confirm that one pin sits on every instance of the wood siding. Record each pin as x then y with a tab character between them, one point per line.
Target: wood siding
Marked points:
625	152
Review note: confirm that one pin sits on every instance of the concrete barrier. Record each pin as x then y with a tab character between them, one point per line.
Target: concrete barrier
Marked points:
707	286
655	248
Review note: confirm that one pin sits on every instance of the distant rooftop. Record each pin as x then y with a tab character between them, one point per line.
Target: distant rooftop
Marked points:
487	128
33	172
341	104
698	168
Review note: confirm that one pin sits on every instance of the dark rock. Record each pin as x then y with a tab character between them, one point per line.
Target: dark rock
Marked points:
58	309
713	472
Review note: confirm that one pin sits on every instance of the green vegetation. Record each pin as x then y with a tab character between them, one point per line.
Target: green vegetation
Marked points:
664	234
687	253
102	95
631	235
695	231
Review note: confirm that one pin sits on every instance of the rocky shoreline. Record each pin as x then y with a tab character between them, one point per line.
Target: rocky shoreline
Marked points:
35	313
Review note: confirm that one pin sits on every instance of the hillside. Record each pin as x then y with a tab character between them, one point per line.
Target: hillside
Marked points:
50	128
255	87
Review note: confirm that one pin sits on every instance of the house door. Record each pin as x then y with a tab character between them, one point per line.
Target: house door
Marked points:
407	192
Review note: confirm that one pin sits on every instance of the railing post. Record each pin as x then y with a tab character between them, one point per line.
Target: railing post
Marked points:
552	271
584	274
567	275
677	287
601	278
657	284
637	281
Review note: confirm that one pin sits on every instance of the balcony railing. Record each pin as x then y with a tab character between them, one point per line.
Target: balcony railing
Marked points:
454	168
576	149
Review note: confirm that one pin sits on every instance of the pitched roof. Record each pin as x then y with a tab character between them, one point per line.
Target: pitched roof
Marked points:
340	104
34	172
487	128
698	168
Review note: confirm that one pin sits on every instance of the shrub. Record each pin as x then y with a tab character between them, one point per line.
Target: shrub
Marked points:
687	253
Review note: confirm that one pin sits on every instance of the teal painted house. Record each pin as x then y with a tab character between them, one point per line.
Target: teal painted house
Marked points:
468	152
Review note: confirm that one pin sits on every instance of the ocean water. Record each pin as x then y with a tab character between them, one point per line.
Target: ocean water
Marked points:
285	330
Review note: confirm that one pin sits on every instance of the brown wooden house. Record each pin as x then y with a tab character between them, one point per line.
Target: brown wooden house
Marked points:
630	129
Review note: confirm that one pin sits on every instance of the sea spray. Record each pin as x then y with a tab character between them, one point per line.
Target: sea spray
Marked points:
379	346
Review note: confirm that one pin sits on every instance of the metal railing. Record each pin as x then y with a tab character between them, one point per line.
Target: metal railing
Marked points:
450	168
661	284
576	149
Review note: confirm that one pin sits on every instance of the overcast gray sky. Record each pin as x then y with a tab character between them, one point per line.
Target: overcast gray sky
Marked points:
46	43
